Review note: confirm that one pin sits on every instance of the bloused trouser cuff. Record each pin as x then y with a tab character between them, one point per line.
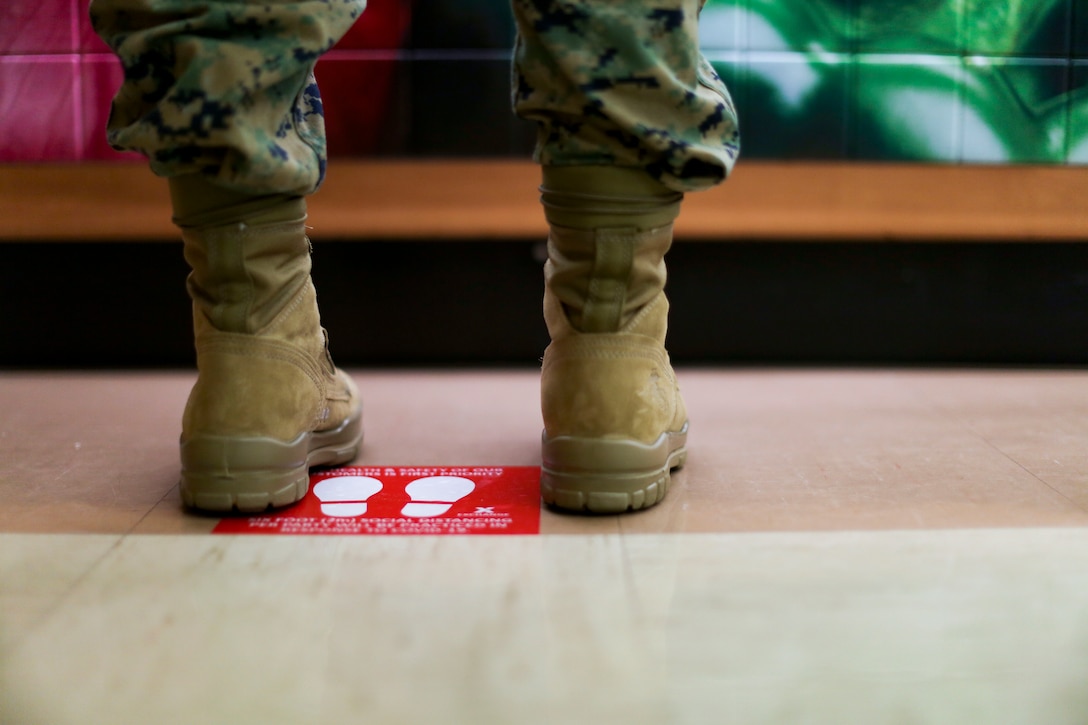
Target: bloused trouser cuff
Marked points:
224	89
624	84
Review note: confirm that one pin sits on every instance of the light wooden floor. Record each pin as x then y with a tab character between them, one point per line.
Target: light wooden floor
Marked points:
843	547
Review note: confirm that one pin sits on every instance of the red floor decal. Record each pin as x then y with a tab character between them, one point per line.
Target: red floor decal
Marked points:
425	501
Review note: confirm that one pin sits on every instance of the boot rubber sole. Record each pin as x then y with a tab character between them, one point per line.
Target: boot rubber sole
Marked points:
608	476
251	474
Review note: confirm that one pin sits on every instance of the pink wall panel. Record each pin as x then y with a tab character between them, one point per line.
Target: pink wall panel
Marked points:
38	26
57	79
89	42
37	125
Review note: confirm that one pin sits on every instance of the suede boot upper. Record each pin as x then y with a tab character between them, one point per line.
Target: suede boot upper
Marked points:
261	351
606	373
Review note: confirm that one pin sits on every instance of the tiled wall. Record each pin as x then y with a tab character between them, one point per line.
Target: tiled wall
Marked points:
432	78
391	86
54	75
931	80
939	80
57	78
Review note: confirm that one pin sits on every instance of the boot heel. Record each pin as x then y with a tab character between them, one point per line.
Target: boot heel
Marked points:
244	473
249	492
609	476
251	474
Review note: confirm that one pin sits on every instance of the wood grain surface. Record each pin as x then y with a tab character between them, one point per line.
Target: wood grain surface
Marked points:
477	199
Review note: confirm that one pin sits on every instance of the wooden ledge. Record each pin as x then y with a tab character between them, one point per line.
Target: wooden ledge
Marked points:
487	199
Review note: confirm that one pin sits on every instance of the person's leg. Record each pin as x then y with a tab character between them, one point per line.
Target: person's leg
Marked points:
220	97
630	116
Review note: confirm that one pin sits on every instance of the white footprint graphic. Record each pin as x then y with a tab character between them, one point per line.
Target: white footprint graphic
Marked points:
346	495
435	495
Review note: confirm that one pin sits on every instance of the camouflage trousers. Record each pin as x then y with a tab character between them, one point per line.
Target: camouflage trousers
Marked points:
225	88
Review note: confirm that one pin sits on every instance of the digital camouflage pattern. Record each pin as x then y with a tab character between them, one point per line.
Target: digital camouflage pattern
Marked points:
624	83
225	88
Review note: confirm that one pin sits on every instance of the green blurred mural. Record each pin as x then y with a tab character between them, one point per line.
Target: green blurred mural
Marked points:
975	81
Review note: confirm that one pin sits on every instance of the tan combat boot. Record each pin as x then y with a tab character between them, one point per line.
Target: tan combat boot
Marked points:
614	422
268	402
